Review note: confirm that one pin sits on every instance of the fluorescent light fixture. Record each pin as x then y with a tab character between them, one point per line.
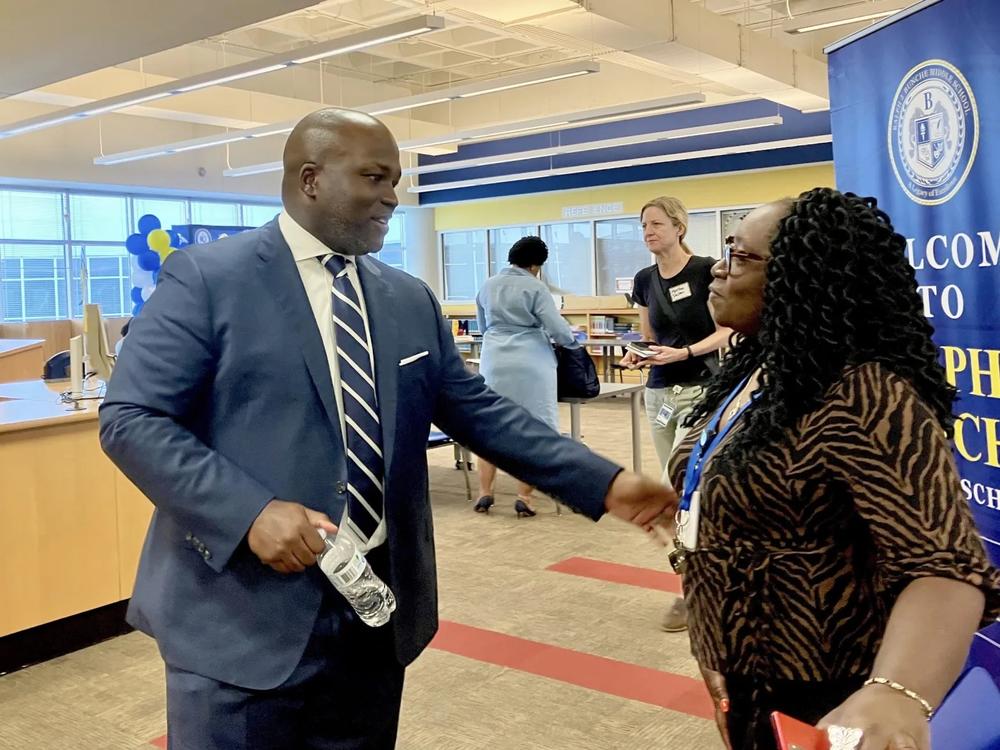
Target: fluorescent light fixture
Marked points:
133	102
600	145
196	146
703	154
532	82
26	126
516	131
464	91
829	19
265	134
251	169
229	78
435	24
855	19
402	107
269	64
644	108
397	105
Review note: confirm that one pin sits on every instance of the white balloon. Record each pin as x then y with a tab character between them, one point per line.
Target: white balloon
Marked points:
147	292
141	278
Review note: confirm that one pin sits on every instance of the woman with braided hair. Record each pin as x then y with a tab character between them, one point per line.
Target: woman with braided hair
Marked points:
831	566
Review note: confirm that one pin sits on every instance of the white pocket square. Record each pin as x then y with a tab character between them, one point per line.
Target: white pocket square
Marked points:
412	358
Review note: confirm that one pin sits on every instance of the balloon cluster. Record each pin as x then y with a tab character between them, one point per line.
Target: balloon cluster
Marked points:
148	249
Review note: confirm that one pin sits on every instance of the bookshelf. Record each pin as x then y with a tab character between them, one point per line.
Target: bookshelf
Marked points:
581	314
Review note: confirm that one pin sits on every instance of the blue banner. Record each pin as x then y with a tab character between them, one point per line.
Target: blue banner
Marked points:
916	122
915	114
200	234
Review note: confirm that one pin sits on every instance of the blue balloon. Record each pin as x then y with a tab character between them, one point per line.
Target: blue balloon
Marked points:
137	295
148	223
136	309
149	261
136	244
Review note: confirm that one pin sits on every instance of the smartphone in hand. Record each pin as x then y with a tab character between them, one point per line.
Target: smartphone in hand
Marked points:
793	734
641	349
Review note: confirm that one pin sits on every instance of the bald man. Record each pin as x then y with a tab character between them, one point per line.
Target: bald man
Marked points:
282	381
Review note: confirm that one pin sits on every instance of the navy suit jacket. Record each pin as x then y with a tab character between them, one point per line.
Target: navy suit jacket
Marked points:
222	400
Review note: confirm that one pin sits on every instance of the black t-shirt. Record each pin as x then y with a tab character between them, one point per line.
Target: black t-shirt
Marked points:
687	294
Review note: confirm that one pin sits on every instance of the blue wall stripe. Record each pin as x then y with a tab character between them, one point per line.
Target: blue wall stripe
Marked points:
783	157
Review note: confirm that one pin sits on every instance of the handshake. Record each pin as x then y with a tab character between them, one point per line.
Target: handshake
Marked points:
642	501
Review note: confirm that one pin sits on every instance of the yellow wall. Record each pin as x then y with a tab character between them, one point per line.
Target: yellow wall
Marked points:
734	189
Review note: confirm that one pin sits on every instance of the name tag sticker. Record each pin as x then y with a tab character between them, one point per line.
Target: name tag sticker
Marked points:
679	292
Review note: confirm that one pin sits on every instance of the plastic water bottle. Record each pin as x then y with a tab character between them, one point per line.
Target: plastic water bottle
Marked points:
352	575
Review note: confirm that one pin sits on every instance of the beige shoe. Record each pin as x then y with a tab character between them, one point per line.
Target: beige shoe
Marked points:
675	619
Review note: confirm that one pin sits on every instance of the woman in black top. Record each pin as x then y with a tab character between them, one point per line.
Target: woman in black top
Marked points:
672	299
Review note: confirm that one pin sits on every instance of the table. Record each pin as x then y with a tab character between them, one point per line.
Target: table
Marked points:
21	359
608	347
609	390
71	524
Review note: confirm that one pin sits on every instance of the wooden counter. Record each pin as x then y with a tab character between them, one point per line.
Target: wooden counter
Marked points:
21	359
71	525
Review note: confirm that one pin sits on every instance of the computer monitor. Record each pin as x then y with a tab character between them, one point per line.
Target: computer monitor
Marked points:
96	353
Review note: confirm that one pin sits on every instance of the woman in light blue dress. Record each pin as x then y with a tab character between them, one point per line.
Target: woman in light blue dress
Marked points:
519	322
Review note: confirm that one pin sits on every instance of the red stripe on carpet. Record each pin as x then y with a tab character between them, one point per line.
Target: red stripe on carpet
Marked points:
630	575
598	673
609	676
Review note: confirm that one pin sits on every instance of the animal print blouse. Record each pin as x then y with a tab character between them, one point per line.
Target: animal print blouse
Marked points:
804	549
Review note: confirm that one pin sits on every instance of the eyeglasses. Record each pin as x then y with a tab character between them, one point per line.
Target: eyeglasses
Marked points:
737	260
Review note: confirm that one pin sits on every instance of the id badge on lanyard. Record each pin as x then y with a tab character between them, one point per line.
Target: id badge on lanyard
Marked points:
669	406
689	511
687	523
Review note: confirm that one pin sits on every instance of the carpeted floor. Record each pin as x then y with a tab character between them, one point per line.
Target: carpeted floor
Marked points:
550	639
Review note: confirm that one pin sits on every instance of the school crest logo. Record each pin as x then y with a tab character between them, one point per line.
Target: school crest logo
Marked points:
933	132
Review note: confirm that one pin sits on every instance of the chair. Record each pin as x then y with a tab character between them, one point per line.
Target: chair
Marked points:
463	459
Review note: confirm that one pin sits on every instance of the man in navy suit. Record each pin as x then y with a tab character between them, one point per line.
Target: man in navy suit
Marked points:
279	382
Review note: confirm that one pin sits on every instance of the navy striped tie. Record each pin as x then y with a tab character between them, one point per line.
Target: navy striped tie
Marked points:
365	465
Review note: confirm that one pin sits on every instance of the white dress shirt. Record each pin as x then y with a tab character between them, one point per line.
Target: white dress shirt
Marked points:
308	253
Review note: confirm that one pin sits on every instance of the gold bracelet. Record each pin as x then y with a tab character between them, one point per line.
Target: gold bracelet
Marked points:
928	711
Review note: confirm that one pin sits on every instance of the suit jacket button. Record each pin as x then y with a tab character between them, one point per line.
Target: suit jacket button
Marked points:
341	488
188	537
206	554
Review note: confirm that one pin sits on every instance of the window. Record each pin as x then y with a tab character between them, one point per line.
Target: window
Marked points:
569	269
98	217
31	215
621	252
464	263
169	212
500	241
257	216
108	279
392	252
215	214
45	233
703	235
33	279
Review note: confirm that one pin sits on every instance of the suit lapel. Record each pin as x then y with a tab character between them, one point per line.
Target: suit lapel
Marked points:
280	275
383	321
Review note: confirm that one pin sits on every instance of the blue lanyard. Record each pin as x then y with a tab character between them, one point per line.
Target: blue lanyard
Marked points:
710	439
